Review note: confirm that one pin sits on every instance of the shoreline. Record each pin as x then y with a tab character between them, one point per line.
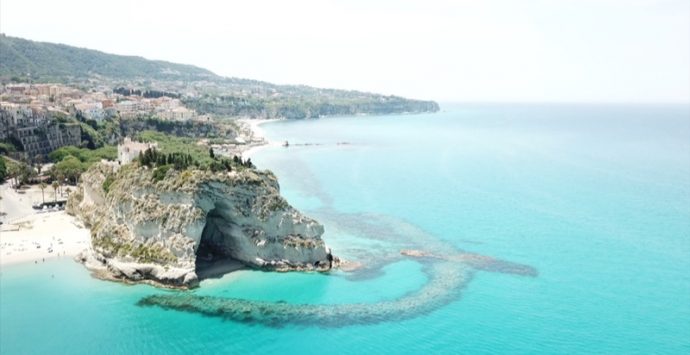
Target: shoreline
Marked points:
41	237
28	235
256	134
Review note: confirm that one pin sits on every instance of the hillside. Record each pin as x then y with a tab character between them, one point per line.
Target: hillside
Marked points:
46	61
200	88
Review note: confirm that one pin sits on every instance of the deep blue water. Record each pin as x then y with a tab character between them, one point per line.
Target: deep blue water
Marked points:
595	198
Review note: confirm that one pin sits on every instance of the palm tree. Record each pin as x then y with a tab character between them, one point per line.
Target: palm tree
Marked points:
38	161
13	173
60	179
55	186
43	187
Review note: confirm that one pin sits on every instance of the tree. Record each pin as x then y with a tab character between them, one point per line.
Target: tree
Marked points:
25	173
55	186
3	170
43	187
70	167
60	177
211	154
13	173
6	148
38	161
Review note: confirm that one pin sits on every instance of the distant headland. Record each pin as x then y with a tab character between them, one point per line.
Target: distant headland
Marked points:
24	60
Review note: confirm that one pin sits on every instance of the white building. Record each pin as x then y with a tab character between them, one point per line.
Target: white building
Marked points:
176	114
91	110
129	150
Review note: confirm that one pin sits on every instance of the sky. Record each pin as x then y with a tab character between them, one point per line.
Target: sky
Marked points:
446	50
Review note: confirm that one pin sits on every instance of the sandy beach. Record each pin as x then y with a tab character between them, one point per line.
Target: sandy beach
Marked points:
256	133
27	235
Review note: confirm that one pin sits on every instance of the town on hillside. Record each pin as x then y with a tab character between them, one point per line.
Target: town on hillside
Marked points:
34	117
51	133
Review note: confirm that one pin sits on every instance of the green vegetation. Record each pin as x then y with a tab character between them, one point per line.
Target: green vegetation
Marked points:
7	148
12	144
183	152
58	62
43	187
156	254
143	253
107	182
209	129
87	156
153	158
69	168
55	185
71	161
161	171
3	170
146	93
220	96
222	164
308	103
91	136
180	153
99	134
19	171
169	144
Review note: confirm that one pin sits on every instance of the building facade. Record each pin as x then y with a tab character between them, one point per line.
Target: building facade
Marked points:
129	150
36	131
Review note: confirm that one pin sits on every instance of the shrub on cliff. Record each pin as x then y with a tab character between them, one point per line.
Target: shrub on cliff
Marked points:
153	158
160	172
107	182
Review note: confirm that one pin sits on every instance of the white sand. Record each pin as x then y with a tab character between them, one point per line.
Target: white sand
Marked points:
27	236
24	230
255	125
32	238
17	204
257	135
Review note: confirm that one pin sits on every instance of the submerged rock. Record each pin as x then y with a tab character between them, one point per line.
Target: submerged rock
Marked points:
161	231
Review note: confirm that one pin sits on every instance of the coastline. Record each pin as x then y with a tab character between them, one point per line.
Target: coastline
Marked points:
27	235
40	237
254	134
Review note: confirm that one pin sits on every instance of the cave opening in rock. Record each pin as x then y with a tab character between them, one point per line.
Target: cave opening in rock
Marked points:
216	247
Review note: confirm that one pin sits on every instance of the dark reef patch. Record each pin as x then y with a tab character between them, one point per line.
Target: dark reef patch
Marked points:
447	268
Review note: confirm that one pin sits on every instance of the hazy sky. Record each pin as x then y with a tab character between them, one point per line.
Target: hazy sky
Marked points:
490	50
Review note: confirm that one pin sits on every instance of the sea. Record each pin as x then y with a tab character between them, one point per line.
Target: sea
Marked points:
480	229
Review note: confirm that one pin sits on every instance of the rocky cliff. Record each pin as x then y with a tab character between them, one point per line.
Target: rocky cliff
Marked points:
162	230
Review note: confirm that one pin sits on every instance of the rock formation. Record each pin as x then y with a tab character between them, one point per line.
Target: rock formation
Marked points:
160	232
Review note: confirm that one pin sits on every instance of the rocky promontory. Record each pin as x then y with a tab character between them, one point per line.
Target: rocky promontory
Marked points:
160	228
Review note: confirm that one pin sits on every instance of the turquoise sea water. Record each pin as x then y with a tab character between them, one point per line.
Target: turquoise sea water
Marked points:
596	199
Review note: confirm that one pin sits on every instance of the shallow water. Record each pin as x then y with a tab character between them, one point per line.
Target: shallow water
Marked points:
594	199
